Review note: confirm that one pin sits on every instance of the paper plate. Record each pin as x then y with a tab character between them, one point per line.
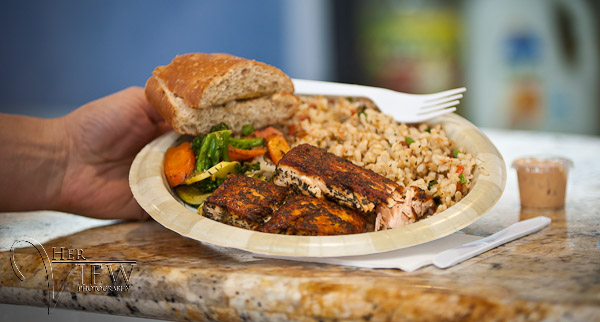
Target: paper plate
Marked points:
150	189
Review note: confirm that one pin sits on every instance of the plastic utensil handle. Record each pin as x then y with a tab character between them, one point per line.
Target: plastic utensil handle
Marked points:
456	255
305	86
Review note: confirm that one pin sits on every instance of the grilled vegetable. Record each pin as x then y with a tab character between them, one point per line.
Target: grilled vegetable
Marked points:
221	143
264	133
208	185
249	167
178	163
221	170
197	144
236	154
213	149
277	147
431	183
362	111
201	162
191	195
247	143
247	129
219	127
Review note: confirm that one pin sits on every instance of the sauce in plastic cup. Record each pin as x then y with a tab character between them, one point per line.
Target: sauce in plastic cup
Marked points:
542	181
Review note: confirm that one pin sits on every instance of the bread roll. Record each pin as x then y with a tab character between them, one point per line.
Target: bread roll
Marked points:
197	91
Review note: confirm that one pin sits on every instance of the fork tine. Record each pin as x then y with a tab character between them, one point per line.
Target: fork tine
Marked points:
435	96
443	100
432	114
439	106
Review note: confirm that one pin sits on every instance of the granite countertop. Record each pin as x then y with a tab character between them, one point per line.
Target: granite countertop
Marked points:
553	274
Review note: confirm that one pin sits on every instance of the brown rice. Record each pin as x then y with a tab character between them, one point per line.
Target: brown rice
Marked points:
412	155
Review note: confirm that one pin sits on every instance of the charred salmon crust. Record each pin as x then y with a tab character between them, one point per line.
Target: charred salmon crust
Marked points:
314	171
244	202
258	205
304	215
318	173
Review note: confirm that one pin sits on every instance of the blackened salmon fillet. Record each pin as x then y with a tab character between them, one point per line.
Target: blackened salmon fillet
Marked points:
244	202
254	204
304	215
314	171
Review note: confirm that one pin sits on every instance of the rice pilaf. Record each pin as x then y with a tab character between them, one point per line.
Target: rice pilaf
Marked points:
412	155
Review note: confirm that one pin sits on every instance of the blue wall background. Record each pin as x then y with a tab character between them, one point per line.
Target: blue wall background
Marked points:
58	55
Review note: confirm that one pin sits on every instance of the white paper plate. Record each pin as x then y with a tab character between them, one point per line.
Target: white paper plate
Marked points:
150	189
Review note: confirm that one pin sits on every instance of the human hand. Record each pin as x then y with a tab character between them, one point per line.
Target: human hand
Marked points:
103	138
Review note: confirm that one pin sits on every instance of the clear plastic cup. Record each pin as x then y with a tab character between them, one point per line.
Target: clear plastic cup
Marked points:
542	181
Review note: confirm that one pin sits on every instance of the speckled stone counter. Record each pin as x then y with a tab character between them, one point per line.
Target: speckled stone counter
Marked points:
550	275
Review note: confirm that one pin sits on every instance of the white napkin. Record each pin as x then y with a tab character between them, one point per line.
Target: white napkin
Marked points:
407	259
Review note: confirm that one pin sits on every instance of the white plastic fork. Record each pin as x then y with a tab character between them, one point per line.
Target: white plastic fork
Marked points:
408	108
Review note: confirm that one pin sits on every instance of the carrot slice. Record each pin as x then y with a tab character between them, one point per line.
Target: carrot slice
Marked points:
277	146
237	154
264	133
178	163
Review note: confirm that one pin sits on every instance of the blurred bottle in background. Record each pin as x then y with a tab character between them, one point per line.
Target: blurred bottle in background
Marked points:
532	65
527	64
410	46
